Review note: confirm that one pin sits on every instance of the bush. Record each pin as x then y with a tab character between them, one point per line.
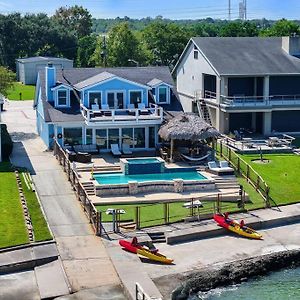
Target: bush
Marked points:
6	143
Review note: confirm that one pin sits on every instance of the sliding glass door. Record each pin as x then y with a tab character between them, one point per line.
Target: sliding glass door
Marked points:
115	100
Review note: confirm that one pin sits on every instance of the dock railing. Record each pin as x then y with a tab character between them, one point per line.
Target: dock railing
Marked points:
244	169
90	210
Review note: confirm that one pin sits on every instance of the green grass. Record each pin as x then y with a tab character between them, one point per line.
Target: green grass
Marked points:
12	227
27	91
281	174
41	230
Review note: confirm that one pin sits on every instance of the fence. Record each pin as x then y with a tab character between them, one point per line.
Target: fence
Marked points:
244	169
90	210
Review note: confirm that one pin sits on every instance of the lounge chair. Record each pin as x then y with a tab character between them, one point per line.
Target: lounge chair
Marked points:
131	109
223	169
115	150
95	107
142	109
126	149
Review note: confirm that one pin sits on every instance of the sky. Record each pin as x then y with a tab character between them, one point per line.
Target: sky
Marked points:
173	9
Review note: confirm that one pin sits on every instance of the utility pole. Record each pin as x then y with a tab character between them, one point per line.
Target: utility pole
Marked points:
229	10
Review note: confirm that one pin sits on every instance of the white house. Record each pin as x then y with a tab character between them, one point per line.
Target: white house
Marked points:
242	82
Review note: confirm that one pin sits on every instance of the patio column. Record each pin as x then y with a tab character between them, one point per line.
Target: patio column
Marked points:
266	87
267	129
253	121
171	151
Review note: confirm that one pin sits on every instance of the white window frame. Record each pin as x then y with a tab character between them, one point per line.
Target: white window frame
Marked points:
101	100
167	95
114	92
132	91
67	99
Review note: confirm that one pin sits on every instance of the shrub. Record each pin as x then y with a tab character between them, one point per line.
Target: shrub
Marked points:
6	143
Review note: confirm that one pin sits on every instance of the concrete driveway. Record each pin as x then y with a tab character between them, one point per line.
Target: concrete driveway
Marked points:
83	255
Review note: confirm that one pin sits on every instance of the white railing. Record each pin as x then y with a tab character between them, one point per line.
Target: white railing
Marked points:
152	113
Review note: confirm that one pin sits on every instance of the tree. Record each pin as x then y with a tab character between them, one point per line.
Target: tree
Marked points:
239	28
165	41
85	50
121	47
282	28
76	19
7	79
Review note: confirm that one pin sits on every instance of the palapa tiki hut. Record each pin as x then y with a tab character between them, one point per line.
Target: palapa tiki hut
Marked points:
186	127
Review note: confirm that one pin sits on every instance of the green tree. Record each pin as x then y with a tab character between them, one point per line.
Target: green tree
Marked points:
282	28
239	28
7	79
75	18
165	41
85	50
121	47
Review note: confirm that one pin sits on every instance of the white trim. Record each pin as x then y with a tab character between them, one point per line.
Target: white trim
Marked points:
161	83
129	91
61	86
115	92
113	78
67	95
94	91
167	95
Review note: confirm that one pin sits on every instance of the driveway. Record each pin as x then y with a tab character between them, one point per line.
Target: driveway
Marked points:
83	255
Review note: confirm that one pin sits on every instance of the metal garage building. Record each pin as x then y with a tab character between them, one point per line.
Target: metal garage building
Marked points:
28	68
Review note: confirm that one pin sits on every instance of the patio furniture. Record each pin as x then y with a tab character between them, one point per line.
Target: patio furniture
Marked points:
274	141
115	150
83	157
223	169
93	148
248	142
126	149
106	110
193	204
95	107
142	109
195	159
71	155
131	109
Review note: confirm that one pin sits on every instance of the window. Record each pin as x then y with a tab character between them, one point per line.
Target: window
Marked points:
101	138
62	98
89	136
127	136
151	137
139	137
113	136
94	98
73	136
196	53
162	95
135	97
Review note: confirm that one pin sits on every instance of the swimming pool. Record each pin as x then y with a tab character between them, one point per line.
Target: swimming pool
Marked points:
142	160
120	178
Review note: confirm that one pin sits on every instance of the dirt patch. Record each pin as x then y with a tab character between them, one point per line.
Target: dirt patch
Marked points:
262	162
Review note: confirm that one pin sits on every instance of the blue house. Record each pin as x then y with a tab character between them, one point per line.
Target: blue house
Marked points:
104	106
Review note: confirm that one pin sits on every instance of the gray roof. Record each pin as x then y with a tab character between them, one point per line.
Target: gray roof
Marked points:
42	59
247	55
93	80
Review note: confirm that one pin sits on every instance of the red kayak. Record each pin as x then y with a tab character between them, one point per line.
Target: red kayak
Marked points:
236	227
129	246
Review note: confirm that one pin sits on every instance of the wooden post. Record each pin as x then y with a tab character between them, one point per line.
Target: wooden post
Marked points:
238	165
221	148
268	204
229	154
166	213
248	172
137	217
257	183
171	151
218	203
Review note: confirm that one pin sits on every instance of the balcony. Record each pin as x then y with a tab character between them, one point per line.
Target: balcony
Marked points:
147	115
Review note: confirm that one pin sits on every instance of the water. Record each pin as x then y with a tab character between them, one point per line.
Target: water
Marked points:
276	286
142	160
123	179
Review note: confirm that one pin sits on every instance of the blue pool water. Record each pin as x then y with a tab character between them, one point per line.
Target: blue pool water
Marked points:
120	178
142	160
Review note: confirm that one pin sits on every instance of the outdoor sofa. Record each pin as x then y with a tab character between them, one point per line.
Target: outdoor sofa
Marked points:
222	169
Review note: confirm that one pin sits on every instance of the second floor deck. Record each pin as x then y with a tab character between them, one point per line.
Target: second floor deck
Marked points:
143	115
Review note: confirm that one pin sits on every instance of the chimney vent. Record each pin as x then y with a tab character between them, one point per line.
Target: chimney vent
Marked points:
291	45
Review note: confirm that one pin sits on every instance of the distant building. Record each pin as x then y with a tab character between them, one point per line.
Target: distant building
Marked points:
28	68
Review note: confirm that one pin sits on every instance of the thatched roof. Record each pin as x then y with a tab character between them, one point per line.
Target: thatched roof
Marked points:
187	126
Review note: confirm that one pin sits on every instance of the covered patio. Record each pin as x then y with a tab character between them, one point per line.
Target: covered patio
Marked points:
190	134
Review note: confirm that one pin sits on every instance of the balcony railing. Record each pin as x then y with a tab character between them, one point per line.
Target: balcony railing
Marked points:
136	115
246	101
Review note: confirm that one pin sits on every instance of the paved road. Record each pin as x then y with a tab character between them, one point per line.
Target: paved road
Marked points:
83	255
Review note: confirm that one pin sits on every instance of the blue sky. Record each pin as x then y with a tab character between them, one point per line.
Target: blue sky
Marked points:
175	9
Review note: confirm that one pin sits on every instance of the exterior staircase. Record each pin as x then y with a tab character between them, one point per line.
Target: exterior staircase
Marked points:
157	237
203	111
89	188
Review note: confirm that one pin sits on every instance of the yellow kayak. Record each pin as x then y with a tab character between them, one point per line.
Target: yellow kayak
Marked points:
155	256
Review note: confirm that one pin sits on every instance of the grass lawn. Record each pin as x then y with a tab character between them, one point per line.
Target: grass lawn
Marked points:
41	231
281	174
27	91
12	226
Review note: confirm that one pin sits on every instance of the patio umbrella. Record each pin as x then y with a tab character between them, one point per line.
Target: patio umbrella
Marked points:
186	126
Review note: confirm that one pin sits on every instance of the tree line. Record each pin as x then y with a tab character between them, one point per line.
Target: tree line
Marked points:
73	33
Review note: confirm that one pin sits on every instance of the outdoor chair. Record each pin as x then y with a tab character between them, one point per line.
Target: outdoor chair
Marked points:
83	157
223	169
126	149
95	107
115	150
131	109
142	109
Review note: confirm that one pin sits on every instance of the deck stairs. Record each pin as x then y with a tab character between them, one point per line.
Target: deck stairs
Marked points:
157	237
89	188
203	111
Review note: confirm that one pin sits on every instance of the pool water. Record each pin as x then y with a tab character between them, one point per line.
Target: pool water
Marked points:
120	178
142	160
